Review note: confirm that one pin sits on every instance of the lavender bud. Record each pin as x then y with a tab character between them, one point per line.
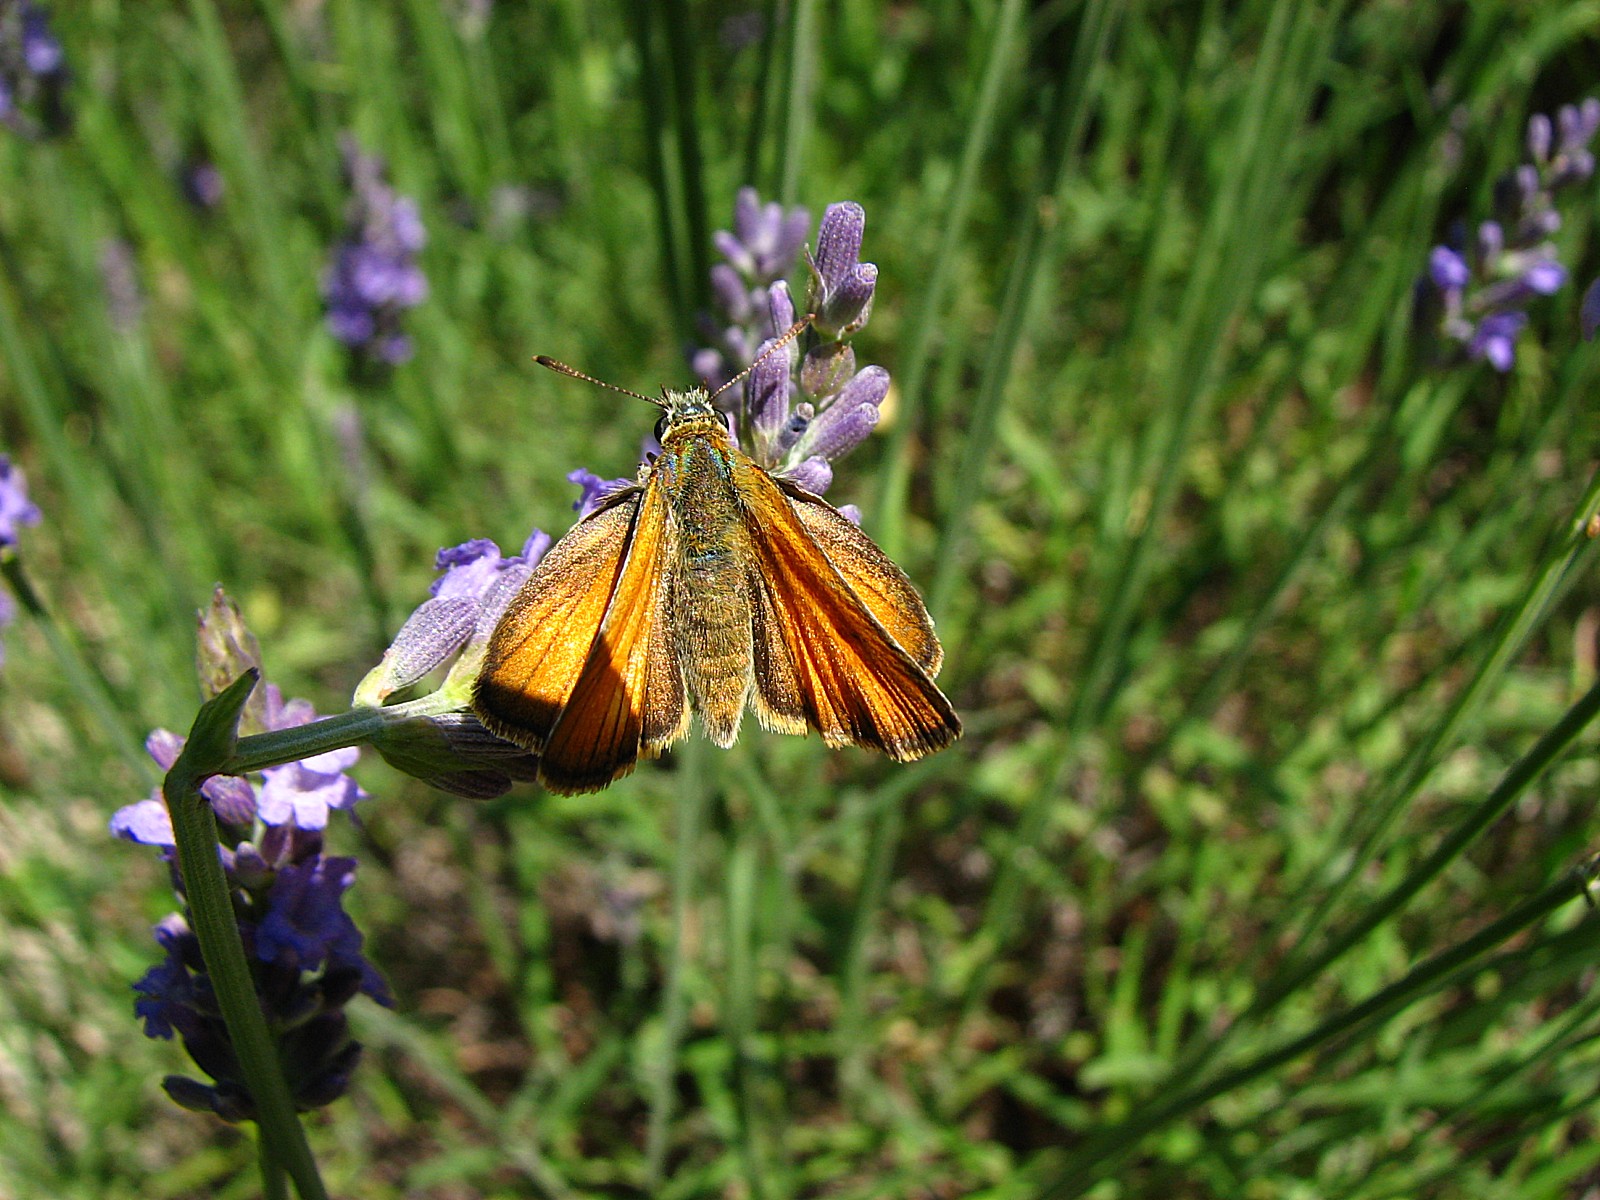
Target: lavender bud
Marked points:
813	475
1539	136
780	305
793	430
1589	311
767	395
729	293
826	369
1491	241
845	423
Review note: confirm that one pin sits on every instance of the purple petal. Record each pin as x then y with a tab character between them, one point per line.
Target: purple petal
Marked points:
594	490
814	475
1447	269
146	822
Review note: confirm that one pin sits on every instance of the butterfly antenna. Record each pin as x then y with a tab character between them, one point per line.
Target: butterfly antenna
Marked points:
544	360
793	332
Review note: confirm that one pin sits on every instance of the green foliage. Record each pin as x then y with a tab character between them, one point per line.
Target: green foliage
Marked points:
1258	871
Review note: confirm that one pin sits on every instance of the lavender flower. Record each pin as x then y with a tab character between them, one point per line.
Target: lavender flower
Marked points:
16	510
802	411
33	72
304	950
452	750
760	250
373	276
1476	296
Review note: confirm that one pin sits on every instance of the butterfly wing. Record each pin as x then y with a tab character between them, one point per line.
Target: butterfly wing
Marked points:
538	650
825	604
629	697
872	575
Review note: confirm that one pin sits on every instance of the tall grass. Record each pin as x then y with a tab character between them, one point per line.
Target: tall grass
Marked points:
1260	870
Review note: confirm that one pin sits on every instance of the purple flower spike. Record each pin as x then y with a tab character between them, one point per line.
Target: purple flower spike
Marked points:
764	240
813	475
16	510
373	276
1480	302
146	822
1540	136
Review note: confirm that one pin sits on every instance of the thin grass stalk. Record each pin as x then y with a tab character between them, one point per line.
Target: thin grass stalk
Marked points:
83	676
853	1047
1001	64
799	97
1226	270
1283	983
382	1026
1516	781
767	98
691	171
673	255
693	792
1203	703
1085	1168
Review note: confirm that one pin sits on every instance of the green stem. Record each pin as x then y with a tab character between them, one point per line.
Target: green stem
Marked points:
675	1008
353	728
210	903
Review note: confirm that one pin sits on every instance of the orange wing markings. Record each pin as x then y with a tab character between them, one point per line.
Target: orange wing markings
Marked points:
872	575
831	662
629	696
543	638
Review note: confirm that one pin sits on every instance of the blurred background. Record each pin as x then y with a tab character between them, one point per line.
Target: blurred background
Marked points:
1266	588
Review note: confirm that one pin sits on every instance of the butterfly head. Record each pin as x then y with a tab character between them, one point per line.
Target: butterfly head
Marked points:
688	413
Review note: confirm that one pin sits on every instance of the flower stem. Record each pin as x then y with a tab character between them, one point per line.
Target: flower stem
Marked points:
207	751
356	727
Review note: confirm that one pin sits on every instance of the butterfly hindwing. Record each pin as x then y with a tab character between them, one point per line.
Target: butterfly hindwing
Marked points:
872	575
824	657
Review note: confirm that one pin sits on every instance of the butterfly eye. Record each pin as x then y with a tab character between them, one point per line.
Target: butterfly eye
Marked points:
661	429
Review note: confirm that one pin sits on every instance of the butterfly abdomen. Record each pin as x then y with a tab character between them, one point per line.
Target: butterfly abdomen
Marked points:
710	600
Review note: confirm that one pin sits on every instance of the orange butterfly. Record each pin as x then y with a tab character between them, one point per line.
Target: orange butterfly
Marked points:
708	586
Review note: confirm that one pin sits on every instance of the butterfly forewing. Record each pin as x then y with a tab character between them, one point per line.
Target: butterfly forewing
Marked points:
542	642
630	694
822	656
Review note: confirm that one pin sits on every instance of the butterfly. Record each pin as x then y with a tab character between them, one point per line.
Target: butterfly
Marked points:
706	587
